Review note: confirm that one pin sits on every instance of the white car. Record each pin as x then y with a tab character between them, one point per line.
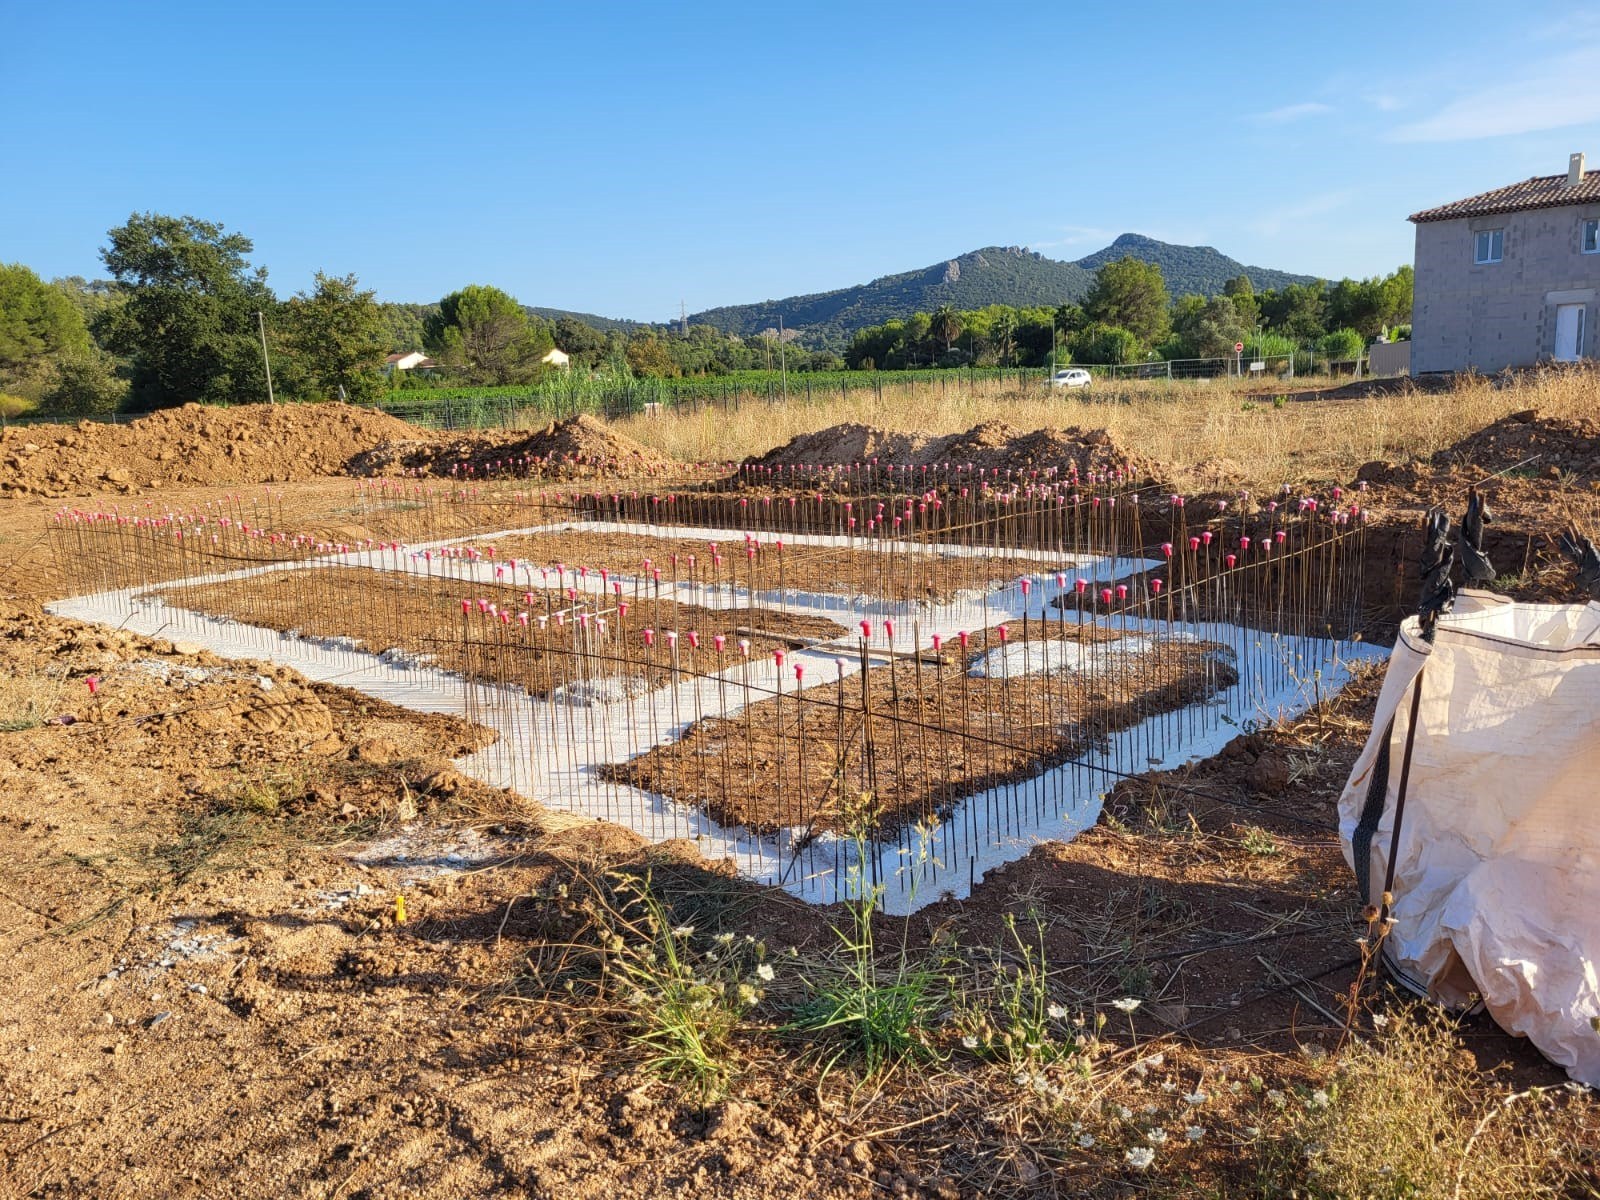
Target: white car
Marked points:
1074	377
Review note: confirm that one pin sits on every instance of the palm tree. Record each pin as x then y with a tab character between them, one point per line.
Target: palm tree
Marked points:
946	325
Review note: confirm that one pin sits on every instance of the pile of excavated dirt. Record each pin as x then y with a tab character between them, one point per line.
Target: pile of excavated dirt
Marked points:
578	446
195	444
1556	447
990	445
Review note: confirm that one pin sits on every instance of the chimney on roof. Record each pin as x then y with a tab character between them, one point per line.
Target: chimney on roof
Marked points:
1575	169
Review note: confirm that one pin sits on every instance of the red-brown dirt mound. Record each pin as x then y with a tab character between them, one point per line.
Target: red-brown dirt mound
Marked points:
578	445
991	445
195	444
1553	446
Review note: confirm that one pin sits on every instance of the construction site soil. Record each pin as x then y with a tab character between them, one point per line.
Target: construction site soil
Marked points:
575	448
989	446
793	568
802	761
212	987
195	444
382	613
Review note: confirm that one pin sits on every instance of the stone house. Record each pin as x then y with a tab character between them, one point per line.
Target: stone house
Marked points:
1509	278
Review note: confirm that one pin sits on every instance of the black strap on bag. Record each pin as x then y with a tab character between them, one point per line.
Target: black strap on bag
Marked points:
1582	552
1469	539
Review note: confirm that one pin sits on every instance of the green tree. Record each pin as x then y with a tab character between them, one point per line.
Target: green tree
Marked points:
486	333
584	343
337	336
1131	295
1208	328
1396	296
1298	310
1341	345
94	298
39	325
402	326
649	356
85	385
188	326
946	325
1243	294
1357	304
1109	344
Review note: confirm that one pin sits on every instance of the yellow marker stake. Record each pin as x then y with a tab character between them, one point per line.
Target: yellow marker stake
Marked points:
399	910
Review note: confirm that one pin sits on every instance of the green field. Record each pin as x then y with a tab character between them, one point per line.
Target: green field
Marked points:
509	407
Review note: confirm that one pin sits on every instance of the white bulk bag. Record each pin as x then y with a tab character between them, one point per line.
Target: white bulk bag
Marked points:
1496	887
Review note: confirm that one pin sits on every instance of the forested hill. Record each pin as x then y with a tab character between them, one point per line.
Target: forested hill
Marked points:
1200	270
603	324
994	275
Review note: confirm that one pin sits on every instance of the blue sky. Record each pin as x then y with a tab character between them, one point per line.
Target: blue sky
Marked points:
619	158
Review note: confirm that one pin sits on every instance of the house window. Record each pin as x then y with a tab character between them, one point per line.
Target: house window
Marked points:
1591	237
1489	245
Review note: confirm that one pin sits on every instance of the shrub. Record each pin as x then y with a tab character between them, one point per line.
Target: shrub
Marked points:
1342	345
14	406
1107	344
84	386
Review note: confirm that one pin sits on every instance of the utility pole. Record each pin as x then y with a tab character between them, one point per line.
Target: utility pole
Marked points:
261	324
783	359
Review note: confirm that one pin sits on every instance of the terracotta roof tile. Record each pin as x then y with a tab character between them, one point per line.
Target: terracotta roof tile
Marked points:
1542	191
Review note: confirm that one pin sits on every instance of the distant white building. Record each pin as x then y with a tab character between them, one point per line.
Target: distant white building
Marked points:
409	360
558	358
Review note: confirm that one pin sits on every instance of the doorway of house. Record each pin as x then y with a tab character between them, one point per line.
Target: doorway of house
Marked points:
1569	332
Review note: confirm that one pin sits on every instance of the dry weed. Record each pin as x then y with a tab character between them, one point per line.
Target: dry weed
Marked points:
29	699
1408	1114
1215	431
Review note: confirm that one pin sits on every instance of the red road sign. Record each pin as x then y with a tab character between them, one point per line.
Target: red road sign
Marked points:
1238	347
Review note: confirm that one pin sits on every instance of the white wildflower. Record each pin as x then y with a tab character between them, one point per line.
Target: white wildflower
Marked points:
1140	1157
1379	1020
1194	1133
970	1042
1168	1086
1319	1099
1196	1097
1124	1112
683	931
1057	1012
1127	1004
1156	1136
1086	1141
764	972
